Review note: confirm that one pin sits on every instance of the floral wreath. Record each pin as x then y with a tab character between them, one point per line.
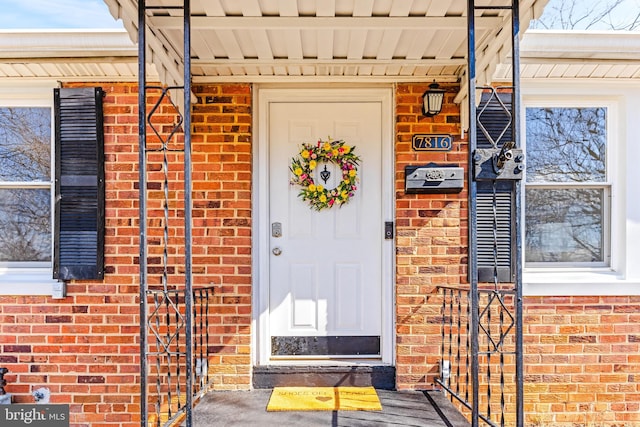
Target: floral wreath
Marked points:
330	151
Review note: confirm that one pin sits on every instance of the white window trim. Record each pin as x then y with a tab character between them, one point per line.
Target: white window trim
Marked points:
37	280
607	185
622	277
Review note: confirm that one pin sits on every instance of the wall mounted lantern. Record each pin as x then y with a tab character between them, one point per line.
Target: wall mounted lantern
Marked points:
432	100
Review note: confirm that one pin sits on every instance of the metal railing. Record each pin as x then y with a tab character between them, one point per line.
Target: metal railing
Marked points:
167	356
495	334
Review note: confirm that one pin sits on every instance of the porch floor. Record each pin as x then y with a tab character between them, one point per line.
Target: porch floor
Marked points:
248	408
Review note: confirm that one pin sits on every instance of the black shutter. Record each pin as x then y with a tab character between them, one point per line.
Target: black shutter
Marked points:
79	201
494	116
504	229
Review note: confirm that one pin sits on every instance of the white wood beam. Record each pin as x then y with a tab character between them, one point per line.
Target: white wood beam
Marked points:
324	43
357	40
288	7
294	76
363	8
400	8
419	44
389	44
329	22
250	8
330	62
326	8
230	44
213	8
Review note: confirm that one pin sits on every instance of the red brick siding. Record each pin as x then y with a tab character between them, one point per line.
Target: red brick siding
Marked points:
85	348
222	223
431	237
582	361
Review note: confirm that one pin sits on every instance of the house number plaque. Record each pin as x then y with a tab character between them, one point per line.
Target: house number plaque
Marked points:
432	142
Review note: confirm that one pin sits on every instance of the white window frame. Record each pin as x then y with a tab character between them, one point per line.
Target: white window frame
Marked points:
622	275
605	185
37	278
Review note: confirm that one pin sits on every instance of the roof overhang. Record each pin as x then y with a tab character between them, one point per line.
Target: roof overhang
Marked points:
577	55
110	55
88	55
332	40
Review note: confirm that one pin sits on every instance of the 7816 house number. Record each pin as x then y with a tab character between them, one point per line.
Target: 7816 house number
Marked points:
432	142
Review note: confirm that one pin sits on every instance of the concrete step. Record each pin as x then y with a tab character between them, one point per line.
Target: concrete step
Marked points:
380	377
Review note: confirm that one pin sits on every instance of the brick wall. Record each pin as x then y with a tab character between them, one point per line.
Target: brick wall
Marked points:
582	361
222	224
85	348
431	237
582	354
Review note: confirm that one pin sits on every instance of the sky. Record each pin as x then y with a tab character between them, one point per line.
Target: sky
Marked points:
37	14
591	15
47	14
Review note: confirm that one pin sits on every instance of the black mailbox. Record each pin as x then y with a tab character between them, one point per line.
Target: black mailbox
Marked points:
433	178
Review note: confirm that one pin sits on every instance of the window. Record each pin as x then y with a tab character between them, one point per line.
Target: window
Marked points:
25	186
567	195
41	241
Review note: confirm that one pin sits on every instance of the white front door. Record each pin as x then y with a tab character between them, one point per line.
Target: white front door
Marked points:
327	272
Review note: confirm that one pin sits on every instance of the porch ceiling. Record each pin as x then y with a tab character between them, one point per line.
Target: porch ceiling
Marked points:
324	40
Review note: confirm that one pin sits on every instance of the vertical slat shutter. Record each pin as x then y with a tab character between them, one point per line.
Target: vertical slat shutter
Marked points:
495	120
79	186
504	228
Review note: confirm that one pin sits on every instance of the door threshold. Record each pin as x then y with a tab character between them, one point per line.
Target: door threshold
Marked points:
327	361
354	375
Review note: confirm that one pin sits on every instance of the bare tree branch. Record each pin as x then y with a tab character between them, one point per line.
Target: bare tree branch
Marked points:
25	156
622	15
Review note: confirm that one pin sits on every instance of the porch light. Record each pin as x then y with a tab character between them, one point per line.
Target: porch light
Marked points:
432	100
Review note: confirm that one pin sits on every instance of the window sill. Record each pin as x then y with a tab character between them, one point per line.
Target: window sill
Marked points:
29	282
578	283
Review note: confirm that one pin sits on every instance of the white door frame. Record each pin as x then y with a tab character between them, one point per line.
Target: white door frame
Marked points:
262	97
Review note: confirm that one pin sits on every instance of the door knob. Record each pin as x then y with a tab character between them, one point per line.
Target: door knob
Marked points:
276	251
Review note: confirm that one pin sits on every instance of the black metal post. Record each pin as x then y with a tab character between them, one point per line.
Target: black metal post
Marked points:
473	195
515	70
142	216
188	293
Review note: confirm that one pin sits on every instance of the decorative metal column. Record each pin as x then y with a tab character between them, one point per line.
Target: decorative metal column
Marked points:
473	214
505	160
166	306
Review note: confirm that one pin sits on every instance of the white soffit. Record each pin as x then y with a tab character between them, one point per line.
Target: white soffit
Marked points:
88	55
548	54
324	40
110	55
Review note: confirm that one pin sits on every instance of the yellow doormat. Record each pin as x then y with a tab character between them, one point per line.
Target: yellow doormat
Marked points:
324	399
